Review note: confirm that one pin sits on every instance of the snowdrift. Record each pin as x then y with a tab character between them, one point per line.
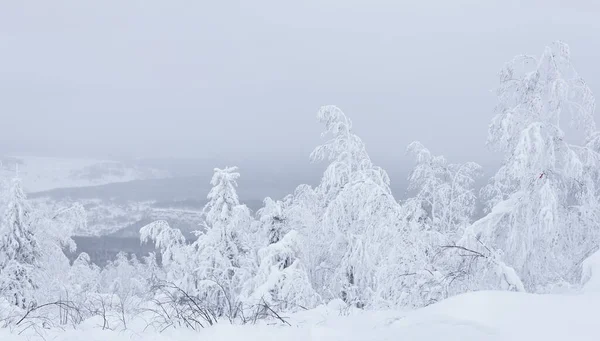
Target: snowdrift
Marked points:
475	316
505	316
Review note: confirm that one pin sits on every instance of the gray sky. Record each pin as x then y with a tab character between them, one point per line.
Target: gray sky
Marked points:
245	79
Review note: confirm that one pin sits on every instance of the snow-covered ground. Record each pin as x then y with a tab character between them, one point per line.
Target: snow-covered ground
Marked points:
46	173
473	316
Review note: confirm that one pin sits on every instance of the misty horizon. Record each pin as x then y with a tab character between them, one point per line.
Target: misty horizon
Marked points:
132	80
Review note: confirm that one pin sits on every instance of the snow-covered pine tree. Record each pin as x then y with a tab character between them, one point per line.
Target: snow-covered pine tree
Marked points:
548	182
222	198
19	250
272	220
222	251
269	228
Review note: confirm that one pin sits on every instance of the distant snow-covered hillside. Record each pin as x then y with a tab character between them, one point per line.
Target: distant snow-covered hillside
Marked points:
46	173
124	219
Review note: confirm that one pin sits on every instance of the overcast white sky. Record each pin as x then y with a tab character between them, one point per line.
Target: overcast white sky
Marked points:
245	78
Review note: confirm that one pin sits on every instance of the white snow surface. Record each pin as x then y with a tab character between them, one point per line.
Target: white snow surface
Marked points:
45	173
591	273
478	316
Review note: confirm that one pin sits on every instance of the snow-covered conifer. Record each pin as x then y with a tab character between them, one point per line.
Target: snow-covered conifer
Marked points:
272	220
19	249
222	250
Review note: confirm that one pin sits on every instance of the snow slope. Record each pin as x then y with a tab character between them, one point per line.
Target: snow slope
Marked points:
474	316
46	173
509	316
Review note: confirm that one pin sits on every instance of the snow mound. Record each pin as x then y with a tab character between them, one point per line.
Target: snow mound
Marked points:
511	316
590	274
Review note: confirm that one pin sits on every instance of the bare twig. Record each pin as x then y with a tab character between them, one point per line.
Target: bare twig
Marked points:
478	254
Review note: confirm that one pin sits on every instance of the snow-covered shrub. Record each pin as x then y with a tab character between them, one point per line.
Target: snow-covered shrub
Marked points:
282	282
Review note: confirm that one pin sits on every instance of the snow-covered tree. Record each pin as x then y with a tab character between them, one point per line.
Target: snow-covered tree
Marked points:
443	206
282	282
303	213
149	269
121	277
359	212
216	266
19	250
84	276
543	202
222	250
346	153
175	253
444	191
222	198
125	278
54	229
272	220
